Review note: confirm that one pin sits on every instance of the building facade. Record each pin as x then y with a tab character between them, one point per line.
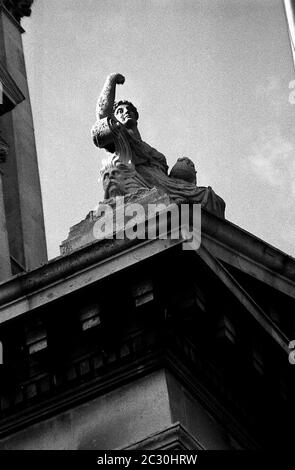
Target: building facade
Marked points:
140	344
133	344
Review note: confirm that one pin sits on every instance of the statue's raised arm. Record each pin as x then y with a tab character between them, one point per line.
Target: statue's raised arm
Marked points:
106	100
101	131
110	115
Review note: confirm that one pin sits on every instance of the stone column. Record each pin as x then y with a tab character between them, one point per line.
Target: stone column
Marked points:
21	183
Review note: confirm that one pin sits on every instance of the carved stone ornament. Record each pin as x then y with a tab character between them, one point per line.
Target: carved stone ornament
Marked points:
18	8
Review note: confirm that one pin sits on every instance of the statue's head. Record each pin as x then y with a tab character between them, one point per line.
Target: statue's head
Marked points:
112	181
126	113
184	169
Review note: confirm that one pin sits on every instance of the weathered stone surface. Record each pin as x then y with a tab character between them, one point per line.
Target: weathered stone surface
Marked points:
135	164
84	232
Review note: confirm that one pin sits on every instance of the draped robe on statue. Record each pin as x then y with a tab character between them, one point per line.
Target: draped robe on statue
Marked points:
143	166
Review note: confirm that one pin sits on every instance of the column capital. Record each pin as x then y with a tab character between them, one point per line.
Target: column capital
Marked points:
18	8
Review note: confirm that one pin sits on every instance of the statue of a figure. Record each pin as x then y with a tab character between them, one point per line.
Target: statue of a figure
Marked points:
136	166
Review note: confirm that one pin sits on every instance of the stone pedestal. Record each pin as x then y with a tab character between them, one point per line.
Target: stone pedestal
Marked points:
84	232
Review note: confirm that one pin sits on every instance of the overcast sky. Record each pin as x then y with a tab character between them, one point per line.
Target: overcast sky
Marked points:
210	80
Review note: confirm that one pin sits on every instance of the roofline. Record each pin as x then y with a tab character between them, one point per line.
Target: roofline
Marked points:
225	240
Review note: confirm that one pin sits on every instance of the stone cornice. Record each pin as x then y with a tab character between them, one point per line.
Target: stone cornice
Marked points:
166	358
48	282
248	253
108	264
75	396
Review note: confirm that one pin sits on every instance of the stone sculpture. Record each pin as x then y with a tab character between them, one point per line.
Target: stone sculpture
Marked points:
135	166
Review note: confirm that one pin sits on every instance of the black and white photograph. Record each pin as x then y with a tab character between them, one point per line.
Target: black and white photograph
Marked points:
147	231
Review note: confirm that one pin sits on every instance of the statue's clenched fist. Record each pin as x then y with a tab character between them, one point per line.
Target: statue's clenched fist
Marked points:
117	78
